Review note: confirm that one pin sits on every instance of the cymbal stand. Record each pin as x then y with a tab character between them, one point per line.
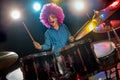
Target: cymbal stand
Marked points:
108	25
109	38
108	33
116	35
118	39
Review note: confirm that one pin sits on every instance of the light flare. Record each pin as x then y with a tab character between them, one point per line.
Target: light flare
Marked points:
15	14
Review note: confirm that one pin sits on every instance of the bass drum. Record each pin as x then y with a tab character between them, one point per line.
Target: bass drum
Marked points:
106	53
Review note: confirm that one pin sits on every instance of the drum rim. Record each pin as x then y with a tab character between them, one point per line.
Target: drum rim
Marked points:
102	41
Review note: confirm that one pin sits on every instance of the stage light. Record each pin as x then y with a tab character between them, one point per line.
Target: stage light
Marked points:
78	5
15	14
36	6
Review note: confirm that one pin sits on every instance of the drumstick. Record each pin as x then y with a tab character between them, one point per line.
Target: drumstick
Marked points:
28	32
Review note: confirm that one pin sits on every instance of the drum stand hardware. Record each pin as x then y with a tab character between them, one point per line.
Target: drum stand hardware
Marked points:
117	37
108	77
108	68
109	26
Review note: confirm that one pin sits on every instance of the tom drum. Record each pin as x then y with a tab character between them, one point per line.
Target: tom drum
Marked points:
106	53
81	57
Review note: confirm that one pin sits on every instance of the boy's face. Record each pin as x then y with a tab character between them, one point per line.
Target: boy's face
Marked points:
52	19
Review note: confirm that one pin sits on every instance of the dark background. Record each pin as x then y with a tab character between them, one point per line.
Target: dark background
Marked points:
13	36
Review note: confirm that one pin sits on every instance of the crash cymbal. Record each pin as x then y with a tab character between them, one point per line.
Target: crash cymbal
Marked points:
87	28
97	19
7	58
103	27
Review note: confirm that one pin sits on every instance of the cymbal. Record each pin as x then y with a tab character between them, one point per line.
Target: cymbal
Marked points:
87	28
7	58
97	19
102	28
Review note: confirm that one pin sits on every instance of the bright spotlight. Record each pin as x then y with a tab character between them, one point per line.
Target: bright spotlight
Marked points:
78	5
36	6
15	14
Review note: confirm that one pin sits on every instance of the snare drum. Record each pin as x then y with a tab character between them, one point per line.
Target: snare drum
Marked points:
106	53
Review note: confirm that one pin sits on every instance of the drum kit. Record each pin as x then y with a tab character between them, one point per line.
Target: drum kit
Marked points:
82	57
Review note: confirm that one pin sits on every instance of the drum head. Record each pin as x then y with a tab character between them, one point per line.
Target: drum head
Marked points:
103	48
15	75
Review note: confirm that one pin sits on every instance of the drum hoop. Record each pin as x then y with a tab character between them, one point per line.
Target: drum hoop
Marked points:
101	41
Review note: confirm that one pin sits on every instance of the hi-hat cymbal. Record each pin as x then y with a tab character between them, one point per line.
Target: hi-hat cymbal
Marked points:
102	28
7	58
